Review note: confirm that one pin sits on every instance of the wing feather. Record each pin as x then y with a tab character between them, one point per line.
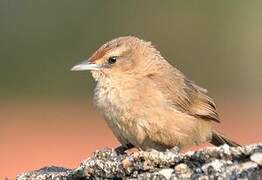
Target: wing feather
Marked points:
185	95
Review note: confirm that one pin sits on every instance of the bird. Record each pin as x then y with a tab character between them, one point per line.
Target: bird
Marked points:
147	102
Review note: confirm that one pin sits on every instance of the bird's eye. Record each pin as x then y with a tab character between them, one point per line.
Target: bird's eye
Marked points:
112	60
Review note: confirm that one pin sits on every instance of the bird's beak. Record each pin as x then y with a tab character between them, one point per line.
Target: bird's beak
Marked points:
86	65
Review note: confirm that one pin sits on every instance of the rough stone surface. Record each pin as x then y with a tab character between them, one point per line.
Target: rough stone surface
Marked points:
210	163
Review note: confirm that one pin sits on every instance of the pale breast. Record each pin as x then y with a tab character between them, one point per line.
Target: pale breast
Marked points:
108	100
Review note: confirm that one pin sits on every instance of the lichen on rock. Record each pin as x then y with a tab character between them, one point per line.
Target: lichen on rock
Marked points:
214	162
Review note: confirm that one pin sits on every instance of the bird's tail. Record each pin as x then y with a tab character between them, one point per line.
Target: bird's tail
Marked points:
219	139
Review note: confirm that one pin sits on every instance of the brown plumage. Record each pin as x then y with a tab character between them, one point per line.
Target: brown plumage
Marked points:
146	101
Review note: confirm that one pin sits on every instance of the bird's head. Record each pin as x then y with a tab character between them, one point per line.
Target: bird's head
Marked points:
119	57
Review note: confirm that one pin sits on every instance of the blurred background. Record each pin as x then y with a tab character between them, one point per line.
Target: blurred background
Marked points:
46	112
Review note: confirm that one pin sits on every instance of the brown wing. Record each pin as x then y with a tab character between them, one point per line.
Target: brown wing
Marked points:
185	95
202	106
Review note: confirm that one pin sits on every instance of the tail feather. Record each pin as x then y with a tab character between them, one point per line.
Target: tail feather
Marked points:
219	139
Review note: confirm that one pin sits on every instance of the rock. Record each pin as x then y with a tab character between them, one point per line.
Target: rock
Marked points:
209	163
51	172
181	168
183	171
257	158
167	173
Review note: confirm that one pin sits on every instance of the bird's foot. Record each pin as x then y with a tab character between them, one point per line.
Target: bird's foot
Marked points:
122	148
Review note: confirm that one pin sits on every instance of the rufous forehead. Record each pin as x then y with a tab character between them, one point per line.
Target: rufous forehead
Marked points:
114	49
100	53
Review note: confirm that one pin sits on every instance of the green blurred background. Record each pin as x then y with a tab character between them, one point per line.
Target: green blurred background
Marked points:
218	44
